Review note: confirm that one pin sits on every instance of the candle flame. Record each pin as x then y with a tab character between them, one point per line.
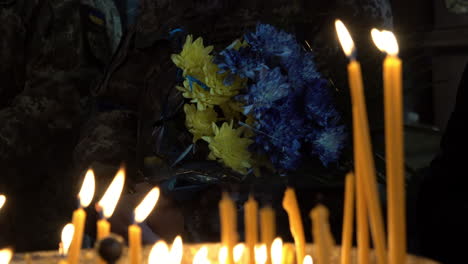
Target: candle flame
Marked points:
201	257
260	254
238	252
159	253
2	200
308	260
146	206
222	255
5	255
67	237
177	250
385	41
345	38
87	189
277	251
111	197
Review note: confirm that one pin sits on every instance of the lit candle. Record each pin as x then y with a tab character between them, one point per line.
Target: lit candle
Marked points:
276	251
267	227
228	218
295	221
201	257
2	200
85	197
134	231
5	255
251	227
289	255
386	42
177	251
106	206
261	254
66	239
348	216
319	228
307	260
363	149
159	253
238	254
108	202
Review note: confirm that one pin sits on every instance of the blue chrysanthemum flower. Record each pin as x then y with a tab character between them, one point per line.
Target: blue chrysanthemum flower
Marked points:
329	143
271	87
243	63
270	42
319	104
281	139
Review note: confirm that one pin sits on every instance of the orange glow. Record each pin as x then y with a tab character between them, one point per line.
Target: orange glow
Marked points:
146	206
111	197
87	189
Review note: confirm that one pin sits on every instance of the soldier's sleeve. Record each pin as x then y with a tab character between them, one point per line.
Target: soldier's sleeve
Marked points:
44	74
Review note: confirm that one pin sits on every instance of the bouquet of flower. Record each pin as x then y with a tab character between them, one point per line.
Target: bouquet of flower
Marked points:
260	102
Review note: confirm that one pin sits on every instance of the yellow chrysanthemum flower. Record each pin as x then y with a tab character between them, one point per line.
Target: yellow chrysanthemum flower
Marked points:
204	99
232	110
227	146
215	81
193	57
199	123
237	44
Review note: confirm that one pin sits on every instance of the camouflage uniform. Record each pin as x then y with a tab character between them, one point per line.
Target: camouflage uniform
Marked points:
46	69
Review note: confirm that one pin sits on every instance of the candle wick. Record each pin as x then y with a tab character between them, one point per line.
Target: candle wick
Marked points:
353	55
78	202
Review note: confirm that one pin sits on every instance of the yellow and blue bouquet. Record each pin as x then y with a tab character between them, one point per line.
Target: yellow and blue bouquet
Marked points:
260	97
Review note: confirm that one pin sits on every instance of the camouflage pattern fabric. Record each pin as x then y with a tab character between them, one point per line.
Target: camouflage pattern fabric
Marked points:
46	70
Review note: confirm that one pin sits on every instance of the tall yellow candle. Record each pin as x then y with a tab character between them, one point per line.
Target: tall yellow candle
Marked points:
228	219
319	231
267	228
134	231
386	42
295	222
251	228
362	230
368	167
348	216
85	197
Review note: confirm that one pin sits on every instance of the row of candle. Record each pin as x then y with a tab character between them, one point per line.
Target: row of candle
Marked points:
105	208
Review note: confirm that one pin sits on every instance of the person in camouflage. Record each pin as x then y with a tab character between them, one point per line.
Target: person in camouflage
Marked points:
46	69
